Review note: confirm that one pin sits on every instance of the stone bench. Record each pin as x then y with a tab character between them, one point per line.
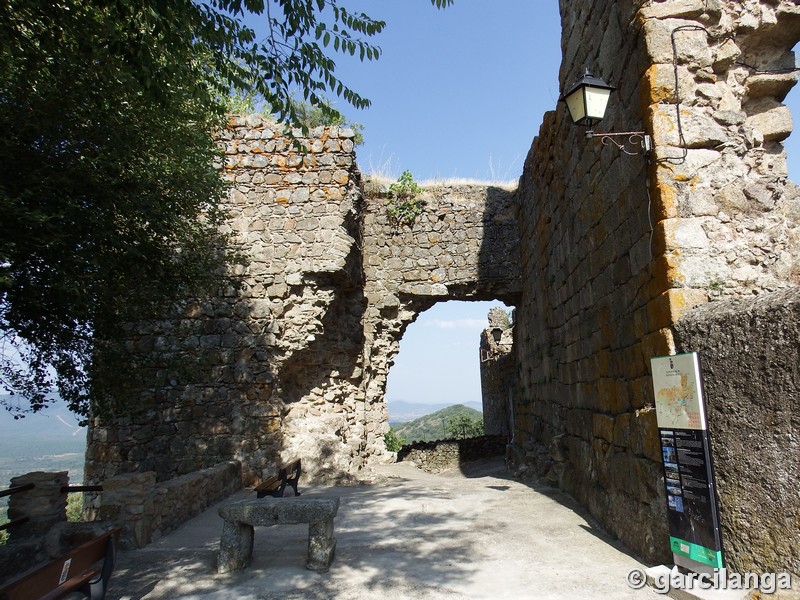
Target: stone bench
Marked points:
236	542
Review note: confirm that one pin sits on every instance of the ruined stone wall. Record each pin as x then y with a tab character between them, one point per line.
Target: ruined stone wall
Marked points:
617	248
293	362
257	371
464	246
146	510
443	455
498	374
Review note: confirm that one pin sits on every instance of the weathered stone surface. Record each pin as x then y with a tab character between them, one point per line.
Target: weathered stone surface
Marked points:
236	541
283	511
769	120
498	373
751	361
616	250
146	509
293	363
44	504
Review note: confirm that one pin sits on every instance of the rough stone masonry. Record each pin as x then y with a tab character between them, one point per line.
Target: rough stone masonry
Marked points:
293	363
604	255
618	249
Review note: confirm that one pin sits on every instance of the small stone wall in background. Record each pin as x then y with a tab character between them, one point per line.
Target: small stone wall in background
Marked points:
435	457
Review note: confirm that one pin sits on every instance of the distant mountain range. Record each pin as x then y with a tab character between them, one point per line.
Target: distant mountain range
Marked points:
401	411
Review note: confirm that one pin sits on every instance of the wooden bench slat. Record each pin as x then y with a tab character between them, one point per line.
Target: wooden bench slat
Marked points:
276	485
73	583
55	578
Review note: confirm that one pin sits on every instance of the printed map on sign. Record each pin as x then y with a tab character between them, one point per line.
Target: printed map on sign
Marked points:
676	387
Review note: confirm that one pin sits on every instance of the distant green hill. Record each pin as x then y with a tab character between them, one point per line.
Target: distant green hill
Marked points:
432	427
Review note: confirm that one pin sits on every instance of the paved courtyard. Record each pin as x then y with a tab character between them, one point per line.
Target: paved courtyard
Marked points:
468	533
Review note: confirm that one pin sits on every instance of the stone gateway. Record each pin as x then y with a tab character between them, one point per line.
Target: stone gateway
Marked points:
609	260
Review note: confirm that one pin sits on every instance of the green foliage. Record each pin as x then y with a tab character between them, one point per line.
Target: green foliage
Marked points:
294	54
74	507
433	427
404	204
394	443
314	116
109	199
716	285
464	426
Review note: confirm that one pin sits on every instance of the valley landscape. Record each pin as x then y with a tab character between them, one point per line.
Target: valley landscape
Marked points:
48	441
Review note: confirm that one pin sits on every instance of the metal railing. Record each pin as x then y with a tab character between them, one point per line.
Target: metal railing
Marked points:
16	489
65	489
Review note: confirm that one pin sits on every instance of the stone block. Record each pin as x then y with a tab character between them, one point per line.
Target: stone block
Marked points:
681	8
644	437
769	119
699	127
236	541
621	435
603	427
692	45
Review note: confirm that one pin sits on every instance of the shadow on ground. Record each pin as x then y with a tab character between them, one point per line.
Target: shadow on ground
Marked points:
472	532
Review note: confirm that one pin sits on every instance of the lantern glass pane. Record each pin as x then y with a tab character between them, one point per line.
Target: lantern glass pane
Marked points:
576	105
596	102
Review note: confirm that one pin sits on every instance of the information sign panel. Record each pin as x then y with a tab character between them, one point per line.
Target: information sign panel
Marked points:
688	470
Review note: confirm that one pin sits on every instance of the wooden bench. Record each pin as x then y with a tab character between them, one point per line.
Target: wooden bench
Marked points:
85	569
274	486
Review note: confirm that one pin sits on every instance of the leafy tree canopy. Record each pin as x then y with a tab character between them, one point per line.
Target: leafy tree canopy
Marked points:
464	426
108	197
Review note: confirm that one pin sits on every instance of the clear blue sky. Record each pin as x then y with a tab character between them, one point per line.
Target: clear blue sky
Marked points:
458	92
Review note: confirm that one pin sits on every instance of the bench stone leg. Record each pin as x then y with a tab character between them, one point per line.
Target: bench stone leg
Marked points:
321	546
235	547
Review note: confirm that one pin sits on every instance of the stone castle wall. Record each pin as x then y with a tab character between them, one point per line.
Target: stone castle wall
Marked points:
617	248
751	365
498	374
293	362
605	256
294	218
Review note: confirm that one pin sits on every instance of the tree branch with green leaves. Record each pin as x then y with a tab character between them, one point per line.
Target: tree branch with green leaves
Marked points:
110	204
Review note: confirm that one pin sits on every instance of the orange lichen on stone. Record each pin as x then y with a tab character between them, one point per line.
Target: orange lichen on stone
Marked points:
665	196
656	87
666	275
671	305
658	343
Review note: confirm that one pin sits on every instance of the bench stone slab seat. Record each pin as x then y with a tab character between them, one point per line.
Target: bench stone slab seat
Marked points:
236	542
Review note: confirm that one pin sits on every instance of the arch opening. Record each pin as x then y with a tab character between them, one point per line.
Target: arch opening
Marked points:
439	365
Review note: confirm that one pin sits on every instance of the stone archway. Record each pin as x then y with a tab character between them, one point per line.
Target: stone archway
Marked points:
294	362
